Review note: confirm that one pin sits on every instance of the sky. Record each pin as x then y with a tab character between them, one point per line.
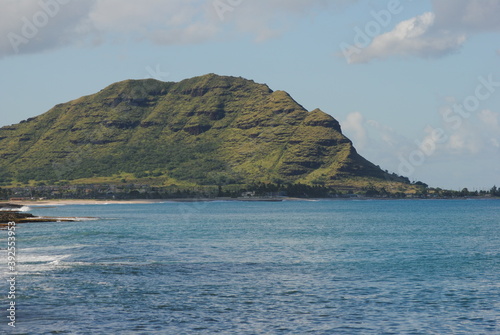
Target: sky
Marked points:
414	84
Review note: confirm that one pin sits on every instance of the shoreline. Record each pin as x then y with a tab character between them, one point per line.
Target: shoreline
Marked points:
67	202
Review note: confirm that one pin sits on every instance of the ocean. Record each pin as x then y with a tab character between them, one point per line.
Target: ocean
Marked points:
291	267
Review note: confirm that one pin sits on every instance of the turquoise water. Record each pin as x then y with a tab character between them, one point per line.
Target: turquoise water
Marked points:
307	267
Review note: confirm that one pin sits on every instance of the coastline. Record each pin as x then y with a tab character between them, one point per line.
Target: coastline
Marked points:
66	202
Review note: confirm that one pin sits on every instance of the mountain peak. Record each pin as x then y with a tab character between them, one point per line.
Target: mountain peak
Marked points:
204	130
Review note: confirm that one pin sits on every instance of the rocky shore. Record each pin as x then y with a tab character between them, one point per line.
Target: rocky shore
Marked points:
11	213
10	206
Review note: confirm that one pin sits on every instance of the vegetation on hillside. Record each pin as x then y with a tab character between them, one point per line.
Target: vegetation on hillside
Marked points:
204	131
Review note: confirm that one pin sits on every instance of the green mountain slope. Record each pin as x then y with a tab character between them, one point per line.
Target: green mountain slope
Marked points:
207	130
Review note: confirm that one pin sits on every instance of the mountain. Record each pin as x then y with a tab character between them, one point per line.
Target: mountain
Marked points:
207	130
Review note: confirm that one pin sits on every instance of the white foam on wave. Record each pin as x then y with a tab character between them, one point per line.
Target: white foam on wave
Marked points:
77	219
33	263
29	264
21	209
37	260
51	248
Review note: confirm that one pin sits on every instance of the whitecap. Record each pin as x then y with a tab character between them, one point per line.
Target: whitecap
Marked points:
33	263
27	263
21	209
77	219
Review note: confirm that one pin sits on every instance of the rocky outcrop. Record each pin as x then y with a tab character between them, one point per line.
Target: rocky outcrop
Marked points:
17	217
6	206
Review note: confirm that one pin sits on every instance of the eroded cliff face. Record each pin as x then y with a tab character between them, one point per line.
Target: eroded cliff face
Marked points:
203	130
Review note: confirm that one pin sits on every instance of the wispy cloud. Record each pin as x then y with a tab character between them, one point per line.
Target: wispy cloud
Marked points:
474	144
354	124
30	26
475	137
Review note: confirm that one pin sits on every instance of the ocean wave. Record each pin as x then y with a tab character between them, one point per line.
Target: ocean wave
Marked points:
33	263
20	209
74	219
27	263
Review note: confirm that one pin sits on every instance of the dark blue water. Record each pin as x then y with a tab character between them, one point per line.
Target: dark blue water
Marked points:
325	267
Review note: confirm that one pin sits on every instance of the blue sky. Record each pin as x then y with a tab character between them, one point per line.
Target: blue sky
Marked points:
394	73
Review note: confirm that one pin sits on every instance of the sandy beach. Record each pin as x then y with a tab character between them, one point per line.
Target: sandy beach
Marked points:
55	202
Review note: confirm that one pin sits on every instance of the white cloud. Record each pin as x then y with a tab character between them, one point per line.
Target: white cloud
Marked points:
161	22
354	125
413	37
433	34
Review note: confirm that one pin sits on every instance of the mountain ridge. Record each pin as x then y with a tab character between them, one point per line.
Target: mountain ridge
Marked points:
206	130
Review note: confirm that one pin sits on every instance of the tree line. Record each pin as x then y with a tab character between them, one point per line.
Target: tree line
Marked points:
297	190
